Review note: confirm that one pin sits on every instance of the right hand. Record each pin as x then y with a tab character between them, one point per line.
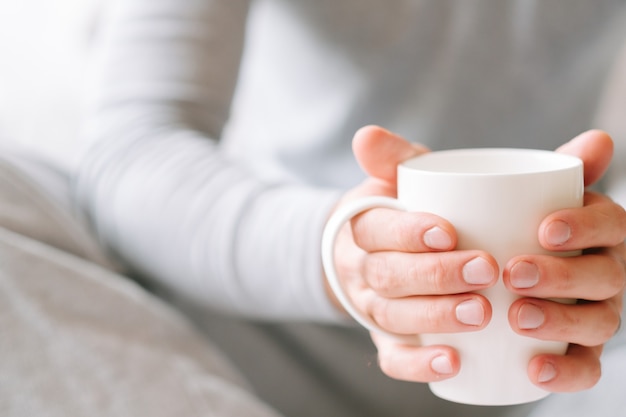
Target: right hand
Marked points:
401	268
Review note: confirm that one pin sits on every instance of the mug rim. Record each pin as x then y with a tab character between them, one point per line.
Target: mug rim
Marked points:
491	162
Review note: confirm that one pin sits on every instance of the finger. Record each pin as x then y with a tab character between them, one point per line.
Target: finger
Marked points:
397	274
430	314
595	148
579	369
599	223
587	324
595	276
416	363
386	230
379	151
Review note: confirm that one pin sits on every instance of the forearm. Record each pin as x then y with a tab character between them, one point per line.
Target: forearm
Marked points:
178	212
157	187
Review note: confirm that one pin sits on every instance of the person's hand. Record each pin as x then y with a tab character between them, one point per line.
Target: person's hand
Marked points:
380	250
596	278
401	268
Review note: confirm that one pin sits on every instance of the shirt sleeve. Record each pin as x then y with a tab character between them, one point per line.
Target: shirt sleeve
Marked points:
611	117
158	189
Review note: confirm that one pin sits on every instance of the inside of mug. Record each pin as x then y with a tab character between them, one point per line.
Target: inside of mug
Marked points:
505	161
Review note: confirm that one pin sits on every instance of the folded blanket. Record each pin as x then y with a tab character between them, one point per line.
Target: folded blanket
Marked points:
77	339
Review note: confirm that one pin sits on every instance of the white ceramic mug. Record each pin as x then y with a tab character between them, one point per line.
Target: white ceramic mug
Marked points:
496	200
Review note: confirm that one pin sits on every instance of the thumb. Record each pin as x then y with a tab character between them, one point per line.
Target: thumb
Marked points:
379	151
595	148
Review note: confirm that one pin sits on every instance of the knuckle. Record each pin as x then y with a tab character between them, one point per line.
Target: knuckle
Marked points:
359	234
620	259
616	217
380	312
397	367
433	276
614	329
431	273
602	329
618	274
404	235
387	363
614	325
435	316
595	374
568	323
378	273
412	371
562	277
621	216
608	330
384	363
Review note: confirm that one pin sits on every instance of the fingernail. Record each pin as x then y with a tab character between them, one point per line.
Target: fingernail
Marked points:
524	275
547	372
530	317
470	312
478	272
441	365
437	238
558	232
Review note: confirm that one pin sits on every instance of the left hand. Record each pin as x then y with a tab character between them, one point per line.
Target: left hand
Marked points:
596	278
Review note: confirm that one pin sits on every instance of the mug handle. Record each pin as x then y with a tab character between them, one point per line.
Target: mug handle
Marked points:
331	230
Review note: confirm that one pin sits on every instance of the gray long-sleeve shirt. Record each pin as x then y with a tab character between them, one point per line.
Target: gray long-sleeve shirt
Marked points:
219	133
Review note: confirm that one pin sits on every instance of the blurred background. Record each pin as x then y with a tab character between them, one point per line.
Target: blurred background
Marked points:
44	46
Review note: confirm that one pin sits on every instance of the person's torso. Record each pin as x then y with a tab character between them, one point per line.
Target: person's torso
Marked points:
448	74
